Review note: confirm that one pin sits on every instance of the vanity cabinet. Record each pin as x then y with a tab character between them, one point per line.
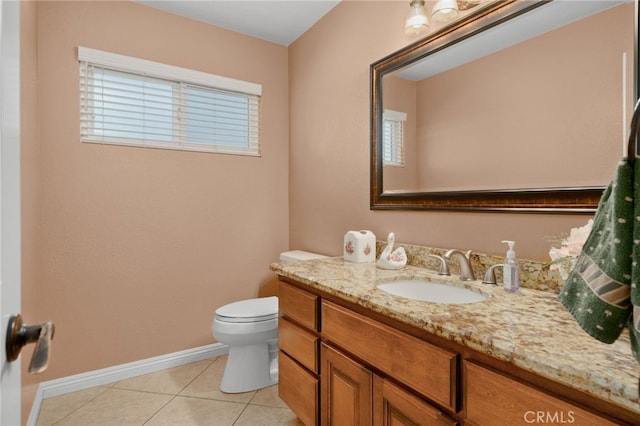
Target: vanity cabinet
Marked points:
340	366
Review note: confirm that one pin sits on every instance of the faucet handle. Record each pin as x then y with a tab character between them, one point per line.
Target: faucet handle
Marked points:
466	271
444	268
490	275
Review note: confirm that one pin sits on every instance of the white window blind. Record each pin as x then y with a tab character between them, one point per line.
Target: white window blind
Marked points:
393	138
130	101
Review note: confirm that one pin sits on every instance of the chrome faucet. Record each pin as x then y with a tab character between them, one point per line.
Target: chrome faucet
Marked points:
466	273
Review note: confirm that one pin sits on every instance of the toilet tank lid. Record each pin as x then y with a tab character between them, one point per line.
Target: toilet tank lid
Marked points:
291	256
250	308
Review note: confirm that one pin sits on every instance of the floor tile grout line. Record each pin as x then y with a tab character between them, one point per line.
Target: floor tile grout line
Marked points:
205	398
173	395
240	415
255	392
159	410
213	360
146	391
76	408
178	393
269	406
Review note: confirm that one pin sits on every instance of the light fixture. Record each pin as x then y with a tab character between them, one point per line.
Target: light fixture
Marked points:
417	22
445	10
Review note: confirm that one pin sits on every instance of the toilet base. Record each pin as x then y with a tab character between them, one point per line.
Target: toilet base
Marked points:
250	367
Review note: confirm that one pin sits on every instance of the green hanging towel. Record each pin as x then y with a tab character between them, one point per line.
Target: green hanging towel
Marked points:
598	290
634	318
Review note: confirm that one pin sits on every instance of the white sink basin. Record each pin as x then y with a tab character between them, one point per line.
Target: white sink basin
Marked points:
434	292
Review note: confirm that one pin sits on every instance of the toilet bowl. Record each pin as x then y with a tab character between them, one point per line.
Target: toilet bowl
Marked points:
250	329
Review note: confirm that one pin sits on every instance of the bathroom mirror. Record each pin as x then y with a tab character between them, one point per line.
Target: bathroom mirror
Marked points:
518	106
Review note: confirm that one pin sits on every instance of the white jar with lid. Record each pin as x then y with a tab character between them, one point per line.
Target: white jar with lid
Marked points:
359	246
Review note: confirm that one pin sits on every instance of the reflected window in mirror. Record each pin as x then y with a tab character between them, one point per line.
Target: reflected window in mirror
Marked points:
393	137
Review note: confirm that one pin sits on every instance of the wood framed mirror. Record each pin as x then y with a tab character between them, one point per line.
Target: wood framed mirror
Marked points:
519	106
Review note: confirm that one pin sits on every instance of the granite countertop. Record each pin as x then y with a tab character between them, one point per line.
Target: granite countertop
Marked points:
529	329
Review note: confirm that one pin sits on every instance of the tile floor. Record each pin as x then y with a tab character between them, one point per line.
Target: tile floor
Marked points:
185	395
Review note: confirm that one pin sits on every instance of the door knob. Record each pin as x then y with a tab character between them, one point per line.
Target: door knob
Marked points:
19	335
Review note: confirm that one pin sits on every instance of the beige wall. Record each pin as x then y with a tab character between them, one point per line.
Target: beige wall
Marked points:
329	174
130	250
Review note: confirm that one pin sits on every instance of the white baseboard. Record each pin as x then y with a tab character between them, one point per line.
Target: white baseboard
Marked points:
116	373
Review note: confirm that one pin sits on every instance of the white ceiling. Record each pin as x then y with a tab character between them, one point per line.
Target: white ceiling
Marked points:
280	22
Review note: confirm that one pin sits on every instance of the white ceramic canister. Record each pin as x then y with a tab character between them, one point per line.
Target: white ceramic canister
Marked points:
359	246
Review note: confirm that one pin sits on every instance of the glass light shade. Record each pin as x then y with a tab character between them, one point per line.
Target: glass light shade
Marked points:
417	22
445	10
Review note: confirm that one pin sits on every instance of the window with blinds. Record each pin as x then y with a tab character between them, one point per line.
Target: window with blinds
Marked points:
393	138
130	101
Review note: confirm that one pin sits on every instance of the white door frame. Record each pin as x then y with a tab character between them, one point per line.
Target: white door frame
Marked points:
10	387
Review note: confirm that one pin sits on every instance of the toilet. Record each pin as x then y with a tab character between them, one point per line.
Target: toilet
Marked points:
250	329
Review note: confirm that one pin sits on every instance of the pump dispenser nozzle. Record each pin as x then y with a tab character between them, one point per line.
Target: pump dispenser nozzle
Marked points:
511	254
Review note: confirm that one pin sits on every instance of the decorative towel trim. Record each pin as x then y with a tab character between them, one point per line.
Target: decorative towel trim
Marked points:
597	317
606	288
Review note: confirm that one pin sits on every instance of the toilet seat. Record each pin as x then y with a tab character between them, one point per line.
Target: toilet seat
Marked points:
250	310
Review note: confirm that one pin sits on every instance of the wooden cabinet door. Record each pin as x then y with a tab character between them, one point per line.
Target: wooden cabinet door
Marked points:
298	389
393	406
492	398
347	389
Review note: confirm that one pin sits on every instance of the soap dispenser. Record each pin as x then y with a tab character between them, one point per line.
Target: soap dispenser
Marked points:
511	274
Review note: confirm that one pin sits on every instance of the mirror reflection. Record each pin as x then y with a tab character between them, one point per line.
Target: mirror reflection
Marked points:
540	101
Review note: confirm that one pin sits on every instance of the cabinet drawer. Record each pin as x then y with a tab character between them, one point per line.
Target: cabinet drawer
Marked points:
494	399
298	305
299	389
425	368
300	344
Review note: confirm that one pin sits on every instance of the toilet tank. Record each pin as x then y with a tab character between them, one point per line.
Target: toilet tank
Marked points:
294	255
